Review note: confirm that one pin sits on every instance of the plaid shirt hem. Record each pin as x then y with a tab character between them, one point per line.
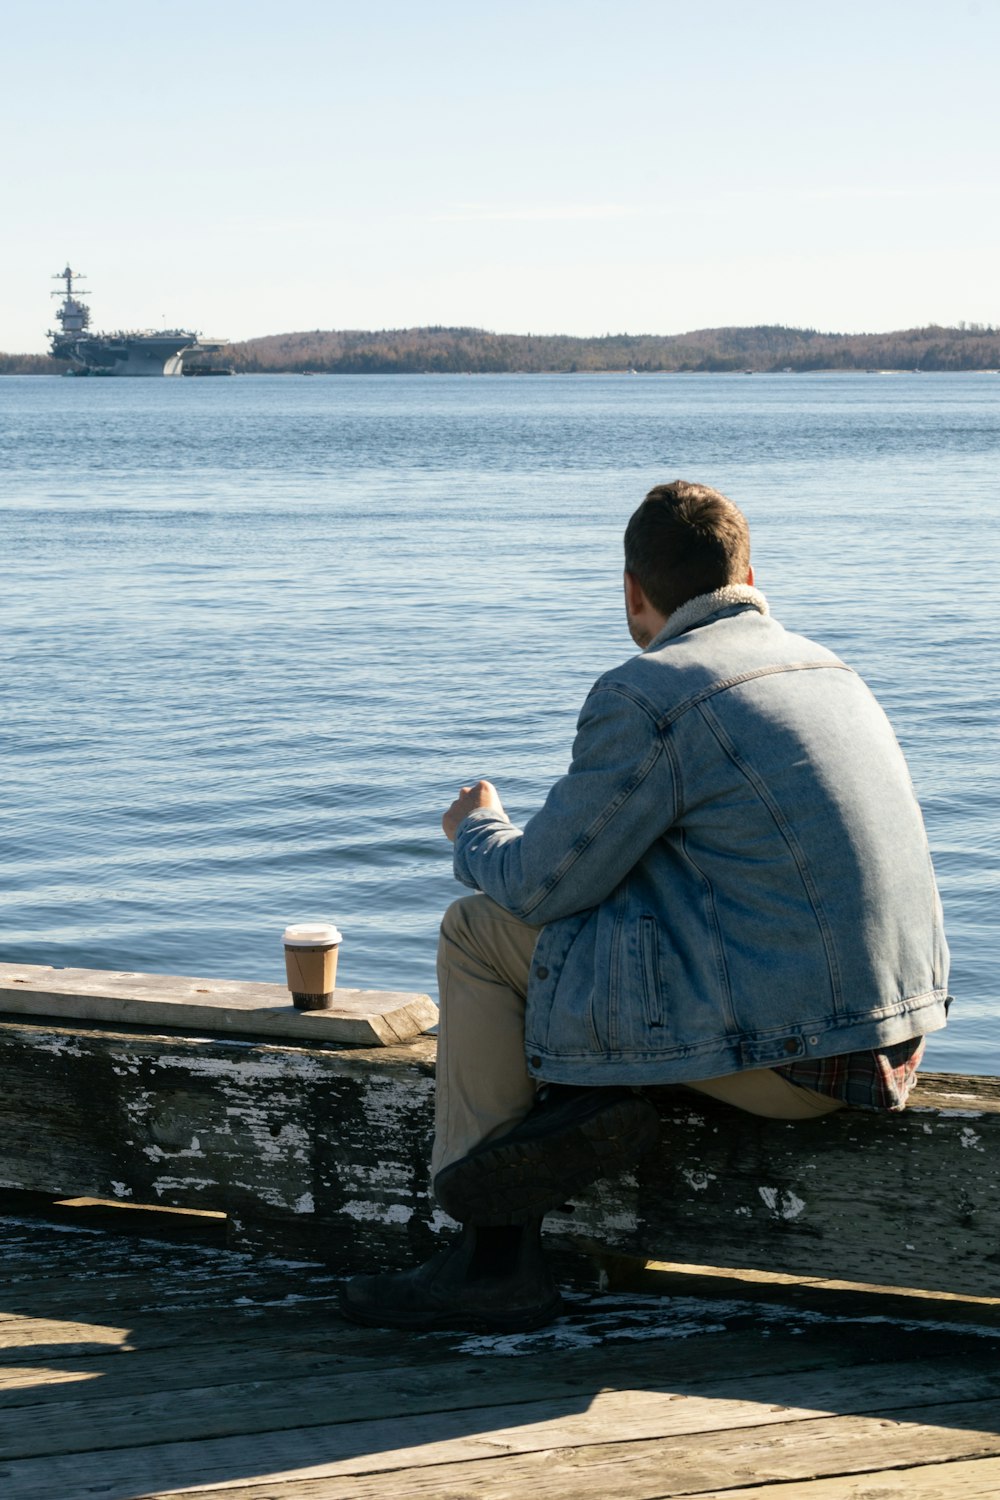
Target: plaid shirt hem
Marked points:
880	1079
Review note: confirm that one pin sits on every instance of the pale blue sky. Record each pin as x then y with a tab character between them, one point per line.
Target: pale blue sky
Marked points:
255	167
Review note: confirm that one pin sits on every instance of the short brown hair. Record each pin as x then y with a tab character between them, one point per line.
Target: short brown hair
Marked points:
686	540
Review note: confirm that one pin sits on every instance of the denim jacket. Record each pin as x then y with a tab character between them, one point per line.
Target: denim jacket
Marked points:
734	871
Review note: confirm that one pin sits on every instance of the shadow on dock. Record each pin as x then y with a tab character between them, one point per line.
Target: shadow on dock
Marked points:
136	1365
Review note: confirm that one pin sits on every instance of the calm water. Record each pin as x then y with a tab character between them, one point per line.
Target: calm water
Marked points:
257	631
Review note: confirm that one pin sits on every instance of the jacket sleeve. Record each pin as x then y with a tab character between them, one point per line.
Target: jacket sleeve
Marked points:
597	821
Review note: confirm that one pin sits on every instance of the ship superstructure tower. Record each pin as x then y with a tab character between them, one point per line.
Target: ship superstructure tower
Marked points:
128	352
74	316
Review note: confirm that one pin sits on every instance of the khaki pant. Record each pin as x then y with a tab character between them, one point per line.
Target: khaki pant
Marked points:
483	1084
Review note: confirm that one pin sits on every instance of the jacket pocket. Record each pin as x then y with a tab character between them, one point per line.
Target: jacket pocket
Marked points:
649	955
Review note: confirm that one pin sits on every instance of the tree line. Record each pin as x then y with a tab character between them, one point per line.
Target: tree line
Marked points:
476	351
767	348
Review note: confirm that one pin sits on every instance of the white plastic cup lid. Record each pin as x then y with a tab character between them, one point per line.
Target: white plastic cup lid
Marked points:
312	935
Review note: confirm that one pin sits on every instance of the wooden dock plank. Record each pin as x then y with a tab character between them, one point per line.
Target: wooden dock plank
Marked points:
627	1390
183	1369
32	1338
363	1017
354	1445
315	1346
122	1294
975	1480
799	1452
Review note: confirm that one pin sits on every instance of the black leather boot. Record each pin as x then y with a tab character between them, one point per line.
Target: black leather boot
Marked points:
572	1137
488	1280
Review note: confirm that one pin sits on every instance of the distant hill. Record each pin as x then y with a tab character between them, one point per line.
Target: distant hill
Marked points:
408	351
31	364
769	348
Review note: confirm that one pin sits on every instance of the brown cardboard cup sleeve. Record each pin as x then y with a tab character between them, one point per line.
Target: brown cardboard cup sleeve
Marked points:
311	963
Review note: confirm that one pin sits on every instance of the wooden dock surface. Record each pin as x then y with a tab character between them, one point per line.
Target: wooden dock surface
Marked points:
141	1366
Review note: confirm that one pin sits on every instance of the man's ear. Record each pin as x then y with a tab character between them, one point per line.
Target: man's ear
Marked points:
635	597
750	575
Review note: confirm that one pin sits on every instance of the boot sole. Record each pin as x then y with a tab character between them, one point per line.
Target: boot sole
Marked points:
452	1319
511	1181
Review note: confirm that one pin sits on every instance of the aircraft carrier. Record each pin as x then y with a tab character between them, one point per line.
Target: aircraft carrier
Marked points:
129	351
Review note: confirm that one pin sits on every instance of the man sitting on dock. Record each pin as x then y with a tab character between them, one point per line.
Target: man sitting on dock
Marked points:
730	889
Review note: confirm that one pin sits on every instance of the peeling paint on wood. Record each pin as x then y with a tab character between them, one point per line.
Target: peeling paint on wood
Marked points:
322	1152
912	1199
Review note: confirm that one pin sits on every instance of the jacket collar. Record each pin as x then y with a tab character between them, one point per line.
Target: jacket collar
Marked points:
696	611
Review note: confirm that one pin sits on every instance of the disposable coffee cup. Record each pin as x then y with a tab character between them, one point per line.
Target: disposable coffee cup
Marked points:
311	963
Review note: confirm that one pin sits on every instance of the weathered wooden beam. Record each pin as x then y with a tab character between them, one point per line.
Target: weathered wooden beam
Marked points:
322	1151
323	1147
910	1199
366	1018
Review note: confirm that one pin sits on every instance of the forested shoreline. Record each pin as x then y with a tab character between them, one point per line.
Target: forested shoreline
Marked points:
765	349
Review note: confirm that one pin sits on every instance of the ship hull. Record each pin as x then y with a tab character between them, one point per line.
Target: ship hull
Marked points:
138	355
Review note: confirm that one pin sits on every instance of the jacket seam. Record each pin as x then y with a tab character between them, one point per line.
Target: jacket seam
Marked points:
740	678
614	982
720	950
821	1025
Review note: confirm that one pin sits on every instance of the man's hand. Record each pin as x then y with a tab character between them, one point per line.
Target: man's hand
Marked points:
481	794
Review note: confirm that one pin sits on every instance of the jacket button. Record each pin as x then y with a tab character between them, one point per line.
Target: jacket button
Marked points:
791	1045
535	1062
542	972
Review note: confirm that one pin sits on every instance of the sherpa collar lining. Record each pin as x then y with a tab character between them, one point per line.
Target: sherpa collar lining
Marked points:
703	606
